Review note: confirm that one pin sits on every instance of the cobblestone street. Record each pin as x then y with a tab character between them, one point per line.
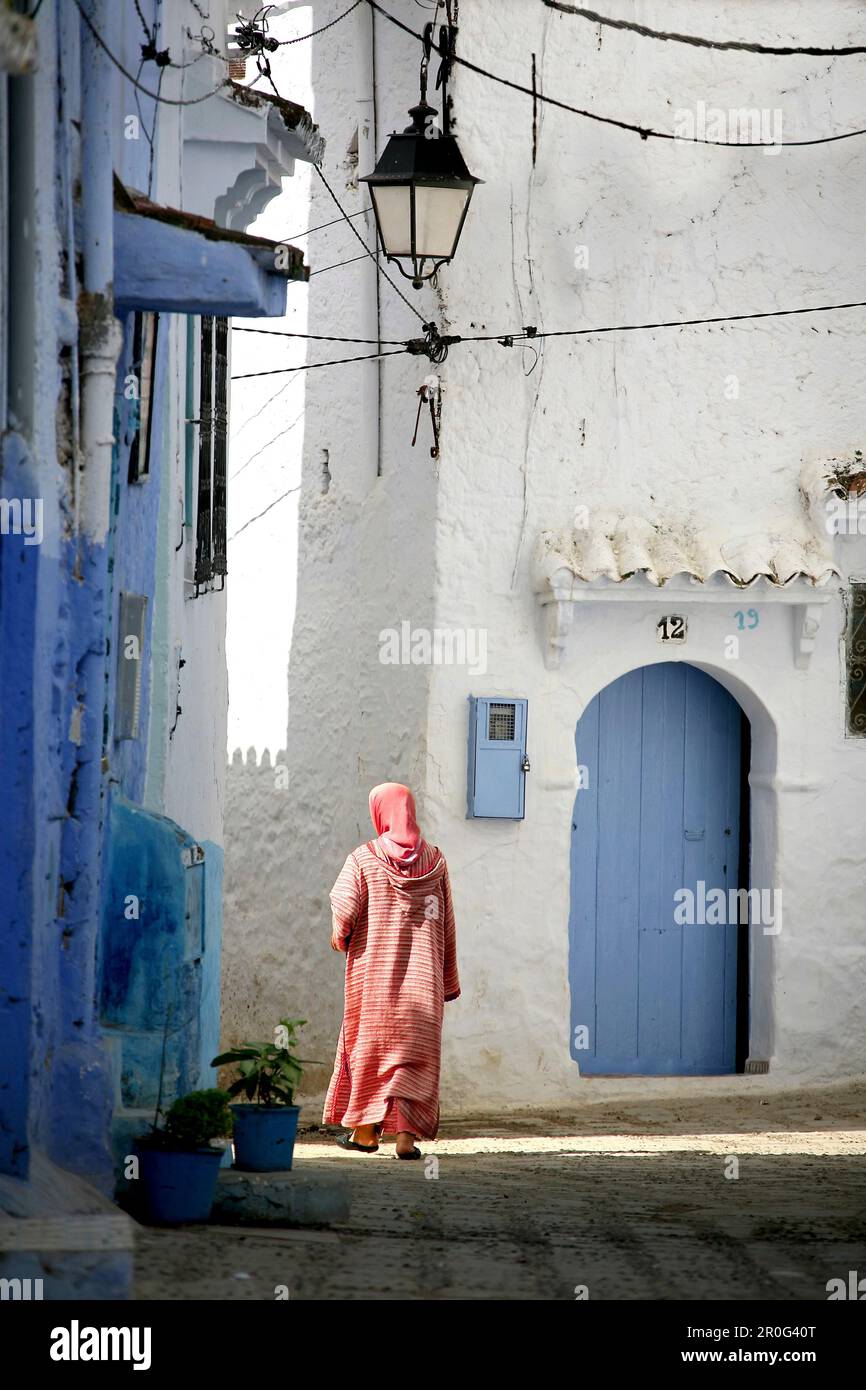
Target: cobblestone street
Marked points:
631	1202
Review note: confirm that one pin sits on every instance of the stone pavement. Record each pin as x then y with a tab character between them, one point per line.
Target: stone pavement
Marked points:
632	1202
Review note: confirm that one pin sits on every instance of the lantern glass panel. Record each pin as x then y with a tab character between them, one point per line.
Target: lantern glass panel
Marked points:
393	212
438	215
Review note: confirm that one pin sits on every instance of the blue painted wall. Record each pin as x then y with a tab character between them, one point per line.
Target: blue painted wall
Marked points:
84	990
19	572
55	1084
135	509
159	990
61	768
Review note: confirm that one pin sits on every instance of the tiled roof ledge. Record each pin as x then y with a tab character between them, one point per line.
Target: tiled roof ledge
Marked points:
616	557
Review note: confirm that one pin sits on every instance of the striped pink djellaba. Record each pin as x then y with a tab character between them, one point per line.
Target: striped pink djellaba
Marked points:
401	966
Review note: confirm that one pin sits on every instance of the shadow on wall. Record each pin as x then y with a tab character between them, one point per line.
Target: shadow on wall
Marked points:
263	971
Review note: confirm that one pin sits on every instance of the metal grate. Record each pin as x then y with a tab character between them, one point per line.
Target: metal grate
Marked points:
211	542
203	536
856	662
220	443
756	1066
500	723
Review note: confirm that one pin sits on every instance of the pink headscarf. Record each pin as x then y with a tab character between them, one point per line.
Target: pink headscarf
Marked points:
392	811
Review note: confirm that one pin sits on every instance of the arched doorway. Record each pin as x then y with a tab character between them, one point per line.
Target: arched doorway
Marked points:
658	959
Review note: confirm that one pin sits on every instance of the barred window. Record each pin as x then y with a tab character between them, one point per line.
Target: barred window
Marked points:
210	523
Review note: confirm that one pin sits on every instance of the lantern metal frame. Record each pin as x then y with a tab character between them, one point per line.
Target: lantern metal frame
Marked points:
421	156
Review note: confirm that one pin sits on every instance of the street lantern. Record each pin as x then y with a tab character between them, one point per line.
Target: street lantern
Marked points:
420	190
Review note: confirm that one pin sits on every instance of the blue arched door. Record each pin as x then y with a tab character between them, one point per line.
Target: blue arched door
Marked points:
651	993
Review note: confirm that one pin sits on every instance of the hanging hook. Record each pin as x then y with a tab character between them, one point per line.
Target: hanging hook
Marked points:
429	393
422	396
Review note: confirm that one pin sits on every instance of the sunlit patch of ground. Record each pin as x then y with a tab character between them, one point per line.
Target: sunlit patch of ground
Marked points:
767	1142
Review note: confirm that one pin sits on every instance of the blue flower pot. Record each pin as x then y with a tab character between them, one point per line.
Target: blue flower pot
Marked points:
178	1186
264	1137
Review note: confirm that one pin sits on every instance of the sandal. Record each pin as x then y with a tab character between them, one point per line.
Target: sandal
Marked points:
413	1153
346	1141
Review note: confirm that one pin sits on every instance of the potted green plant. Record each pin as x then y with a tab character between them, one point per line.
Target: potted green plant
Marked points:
179	1163
266	1122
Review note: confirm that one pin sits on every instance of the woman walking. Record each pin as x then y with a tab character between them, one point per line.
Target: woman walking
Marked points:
392	915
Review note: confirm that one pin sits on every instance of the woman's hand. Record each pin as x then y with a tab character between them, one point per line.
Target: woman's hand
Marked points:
336	944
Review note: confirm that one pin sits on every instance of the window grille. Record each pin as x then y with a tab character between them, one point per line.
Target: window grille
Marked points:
856	661
210	537
500	725
220	445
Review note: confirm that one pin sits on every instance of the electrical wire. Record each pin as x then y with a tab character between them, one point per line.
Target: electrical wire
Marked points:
373	258
319	337
725	44
154	96
303	37
533	335
296	236
163	59
210	51
526	335
418	347
336	266
336	362
645	132
150	36
152	137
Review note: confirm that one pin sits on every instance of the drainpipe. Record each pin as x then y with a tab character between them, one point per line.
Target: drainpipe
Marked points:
367	156
100	333
378	278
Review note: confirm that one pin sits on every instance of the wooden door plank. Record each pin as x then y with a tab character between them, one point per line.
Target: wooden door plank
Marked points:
661	867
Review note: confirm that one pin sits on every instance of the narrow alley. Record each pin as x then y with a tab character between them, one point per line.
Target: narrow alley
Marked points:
432	742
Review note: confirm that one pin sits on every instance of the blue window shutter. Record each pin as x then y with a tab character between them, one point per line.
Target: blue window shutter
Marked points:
497	749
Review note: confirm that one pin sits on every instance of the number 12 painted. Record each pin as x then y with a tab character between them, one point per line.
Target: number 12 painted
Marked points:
672	628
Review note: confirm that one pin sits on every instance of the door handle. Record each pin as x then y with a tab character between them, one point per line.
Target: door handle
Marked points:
694	834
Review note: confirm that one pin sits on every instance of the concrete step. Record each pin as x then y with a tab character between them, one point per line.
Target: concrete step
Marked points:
299	1198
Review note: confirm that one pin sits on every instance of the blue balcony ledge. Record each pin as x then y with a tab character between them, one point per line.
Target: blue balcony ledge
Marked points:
173	266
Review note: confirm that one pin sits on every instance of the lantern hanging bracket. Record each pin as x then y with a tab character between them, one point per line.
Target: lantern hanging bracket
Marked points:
445	48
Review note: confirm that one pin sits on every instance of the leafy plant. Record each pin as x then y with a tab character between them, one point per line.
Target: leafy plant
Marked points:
268	1072
849	477
192	1121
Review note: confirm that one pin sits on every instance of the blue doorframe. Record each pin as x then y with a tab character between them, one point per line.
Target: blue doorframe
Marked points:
651	995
